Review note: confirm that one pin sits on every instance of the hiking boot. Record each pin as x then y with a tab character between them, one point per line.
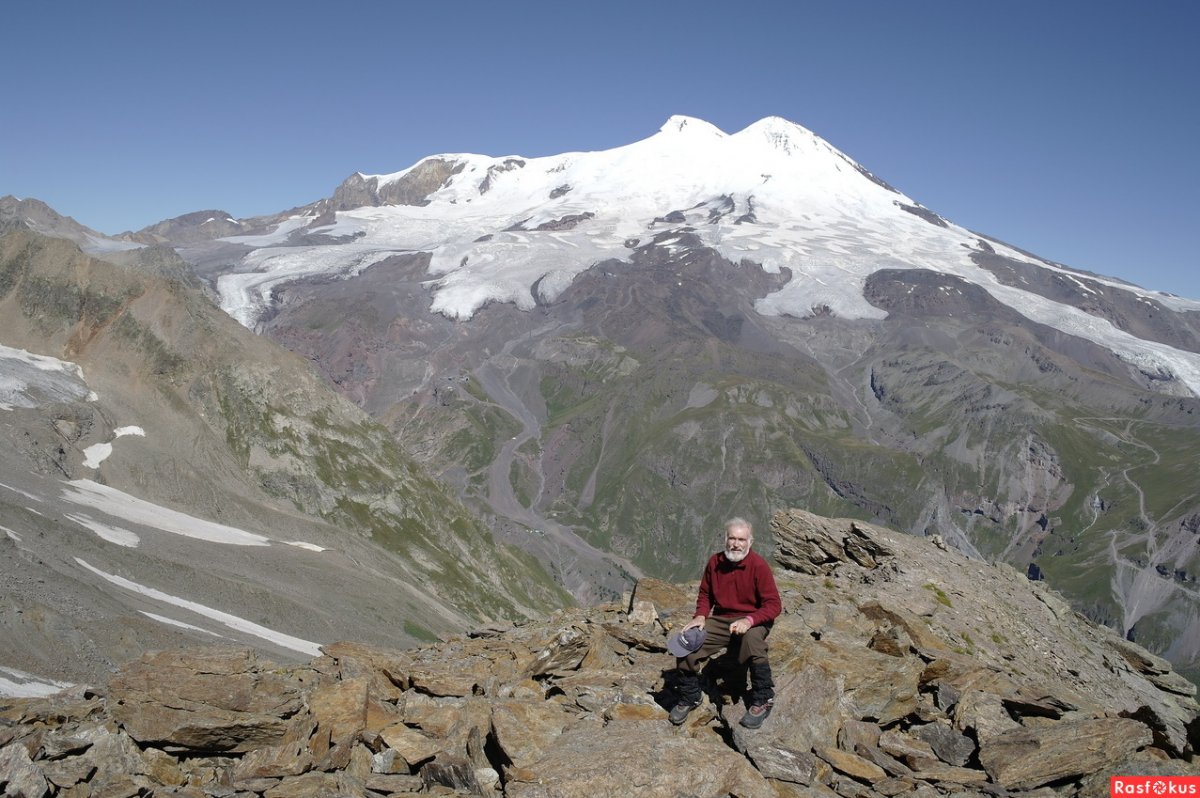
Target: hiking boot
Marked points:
680	711
757	713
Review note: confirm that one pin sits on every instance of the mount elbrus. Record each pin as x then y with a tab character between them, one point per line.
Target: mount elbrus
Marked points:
604	354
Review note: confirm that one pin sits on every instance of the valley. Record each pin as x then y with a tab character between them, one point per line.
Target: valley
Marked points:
567	371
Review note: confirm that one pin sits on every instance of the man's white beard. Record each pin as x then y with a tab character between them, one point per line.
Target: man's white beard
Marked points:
736	556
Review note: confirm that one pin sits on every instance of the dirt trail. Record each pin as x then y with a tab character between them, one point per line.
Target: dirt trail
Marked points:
1141	589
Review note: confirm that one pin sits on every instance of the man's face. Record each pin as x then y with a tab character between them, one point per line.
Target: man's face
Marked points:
737	543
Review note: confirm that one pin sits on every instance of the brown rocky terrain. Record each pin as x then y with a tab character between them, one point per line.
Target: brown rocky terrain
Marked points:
902	668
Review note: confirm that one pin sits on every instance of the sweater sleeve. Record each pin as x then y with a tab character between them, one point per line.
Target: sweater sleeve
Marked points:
767	593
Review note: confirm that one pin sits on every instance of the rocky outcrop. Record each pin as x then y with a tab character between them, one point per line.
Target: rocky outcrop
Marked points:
901	668
413	188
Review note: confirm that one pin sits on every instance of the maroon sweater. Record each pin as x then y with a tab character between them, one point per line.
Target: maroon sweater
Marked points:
745	588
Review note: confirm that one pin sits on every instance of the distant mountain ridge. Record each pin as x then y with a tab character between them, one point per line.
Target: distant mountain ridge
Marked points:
607	353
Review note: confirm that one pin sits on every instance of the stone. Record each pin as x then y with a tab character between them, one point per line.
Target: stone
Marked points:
488	779
113	752
254	785
637	759
857	732
526	730
442	680
877	756
1026	758
413	746
388	762
306	785
1138	657
340	712
68	771
625	711
1139	763
950	746
1172	683
449	770
117	786
394	783
20	776
915	632
905	746
207	700
436	716
670	602
564	650
852	765
941	772
642	614
1170	724
56	745
161	768
790	766
892	641
984	715
651	639
875	686
603	653
386	668
806	715
289	757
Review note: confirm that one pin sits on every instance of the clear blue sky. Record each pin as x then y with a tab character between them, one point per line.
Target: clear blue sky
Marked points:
1067	128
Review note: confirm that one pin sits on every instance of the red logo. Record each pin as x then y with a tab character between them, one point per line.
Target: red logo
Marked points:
1154	786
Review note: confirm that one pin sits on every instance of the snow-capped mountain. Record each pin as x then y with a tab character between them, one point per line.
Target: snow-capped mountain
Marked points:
520	230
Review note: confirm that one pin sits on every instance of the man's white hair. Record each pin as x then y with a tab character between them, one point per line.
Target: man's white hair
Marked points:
741	523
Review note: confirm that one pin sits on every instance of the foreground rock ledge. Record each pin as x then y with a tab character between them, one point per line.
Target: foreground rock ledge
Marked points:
901	668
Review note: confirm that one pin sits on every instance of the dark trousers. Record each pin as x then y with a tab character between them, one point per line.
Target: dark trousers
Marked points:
751	647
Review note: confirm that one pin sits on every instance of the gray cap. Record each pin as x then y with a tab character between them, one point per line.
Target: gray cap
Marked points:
683	643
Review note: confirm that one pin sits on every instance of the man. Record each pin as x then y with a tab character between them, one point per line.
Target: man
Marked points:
736	606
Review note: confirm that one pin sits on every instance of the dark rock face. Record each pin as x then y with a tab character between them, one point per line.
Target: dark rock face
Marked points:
989	686
418	183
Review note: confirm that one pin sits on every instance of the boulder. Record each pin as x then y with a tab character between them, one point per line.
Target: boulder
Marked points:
204	700
526	730
340	712
637	759
21	778
806	715
673	604
1028	757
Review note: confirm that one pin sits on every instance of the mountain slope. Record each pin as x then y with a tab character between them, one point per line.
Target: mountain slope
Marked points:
607	353
158	395
900	669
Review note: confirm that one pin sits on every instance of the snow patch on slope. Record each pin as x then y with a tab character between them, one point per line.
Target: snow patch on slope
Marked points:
122	505
29	380
232	621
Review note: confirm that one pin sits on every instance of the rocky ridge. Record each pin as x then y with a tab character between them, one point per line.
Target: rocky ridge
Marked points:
902	668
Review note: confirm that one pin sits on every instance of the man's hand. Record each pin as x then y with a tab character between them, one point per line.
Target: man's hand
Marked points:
741	626
698	621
